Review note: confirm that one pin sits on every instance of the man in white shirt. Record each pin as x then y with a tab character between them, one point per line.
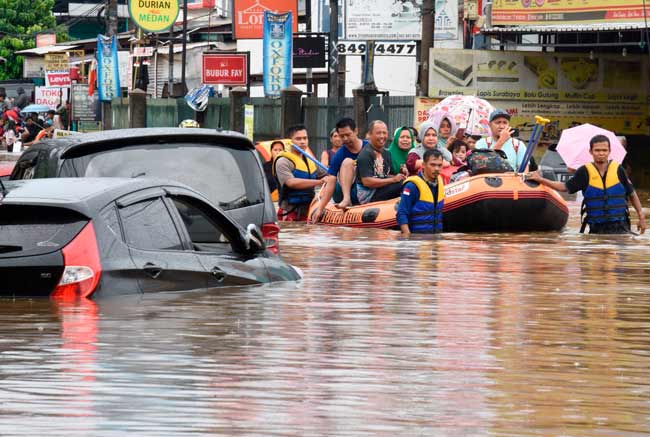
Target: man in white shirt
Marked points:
501	139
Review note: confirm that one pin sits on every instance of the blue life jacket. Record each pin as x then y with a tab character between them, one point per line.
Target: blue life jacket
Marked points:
605	200
304	169
426	215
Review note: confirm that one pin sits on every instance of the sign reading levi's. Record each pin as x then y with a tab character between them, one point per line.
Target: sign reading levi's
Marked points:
225	69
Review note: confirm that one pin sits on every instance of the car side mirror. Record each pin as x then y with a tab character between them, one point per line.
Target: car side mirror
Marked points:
254	239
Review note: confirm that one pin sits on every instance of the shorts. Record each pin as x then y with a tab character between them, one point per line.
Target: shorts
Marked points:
338	194
620	227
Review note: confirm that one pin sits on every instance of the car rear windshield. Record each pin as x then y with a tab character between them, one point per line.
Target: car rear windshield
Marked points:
33	230
229	178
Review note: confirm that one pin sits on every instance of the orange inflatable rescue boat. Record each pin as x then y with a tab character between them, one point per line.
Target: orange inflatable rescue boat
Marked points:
484	203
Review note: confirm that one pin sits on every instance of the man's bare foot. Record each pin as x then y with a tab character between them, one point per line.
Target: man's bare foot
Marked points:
343	204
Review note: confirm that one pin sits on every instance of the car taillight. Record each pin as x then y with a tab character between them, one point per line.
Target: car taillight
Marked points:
270	232
82	266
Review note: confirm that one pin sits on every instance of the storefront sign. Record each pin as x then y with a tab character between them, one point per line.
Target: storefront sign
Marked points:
50	96
153	15
568	88
382	19
84	107
421	108
57	62
540	12
277	52
57	78
248	16
309	52
108	74
446	27
230	69
142	52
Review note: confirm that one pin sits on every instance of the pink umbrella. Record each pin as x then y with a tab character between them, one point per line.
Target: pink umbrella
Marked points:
574	145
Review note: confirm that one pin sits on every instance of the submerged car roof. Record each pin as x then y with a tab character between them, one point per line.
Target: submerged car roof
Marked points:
82	144
86	196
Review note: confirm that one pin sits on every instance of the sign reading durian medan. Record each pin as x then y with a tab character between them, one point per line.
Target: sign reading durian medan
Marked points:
154	15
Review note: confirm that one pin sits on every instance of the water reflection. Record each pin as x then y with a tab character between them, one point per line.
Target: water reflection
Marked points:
526	334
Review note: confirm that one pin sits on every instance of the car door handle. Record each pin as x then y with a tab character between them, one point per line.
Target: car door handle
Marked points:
152	270
218	274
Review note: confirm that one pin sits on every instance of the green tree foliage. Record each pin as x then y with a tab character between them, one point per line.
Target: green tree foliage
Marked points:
20	21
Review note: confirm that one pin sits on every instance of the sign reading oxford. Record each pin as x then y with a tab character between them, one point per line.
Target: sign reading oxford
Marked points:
154	15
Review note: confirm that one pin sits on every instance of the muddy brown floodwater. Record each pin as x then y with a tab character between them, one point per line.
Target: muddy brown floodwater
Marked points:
478	335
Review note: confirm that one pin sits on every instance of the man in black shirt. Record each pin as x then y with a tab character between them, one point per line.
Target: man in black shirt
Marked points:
374	179
605	187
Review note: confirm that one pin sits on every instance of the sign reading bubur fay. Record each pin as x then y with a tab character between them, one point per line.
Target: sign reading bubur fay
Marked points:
154	15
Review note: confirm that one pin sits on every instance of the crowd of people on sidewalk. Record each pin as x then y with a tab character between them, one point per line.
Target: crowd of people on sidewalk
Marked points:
415	165
19	130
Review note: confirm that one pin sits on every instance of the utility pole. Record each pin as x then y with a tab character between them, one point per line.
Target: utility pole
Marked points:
170	78
428	29
309	75
111	17
333	60
184	55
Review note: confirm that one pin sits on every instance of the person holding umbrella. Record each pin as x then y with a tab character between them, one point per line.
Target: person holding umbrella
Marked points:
606	190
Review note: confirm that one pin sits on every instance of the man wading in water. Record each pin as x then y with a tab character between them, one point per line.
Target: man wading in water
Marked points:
605	188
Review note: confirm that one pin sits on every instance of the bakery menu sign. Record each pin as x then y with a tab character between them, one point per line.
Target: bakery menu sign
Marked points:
539	12
607	88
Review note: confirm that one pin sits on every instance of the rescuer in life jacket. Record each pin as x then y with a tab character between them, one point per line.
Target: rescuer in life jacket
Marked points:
606	189
297	177
420	206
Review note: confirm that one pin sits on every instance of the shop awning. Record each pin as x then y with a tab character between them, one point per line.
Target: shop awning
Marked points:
572	28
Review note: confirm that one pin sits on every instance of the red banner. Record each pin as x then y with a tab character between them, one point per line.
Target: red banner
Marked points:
249	16
225	69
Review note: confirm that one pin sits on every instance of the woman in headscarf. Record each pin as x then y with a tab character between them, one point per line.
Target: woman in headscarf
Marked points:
403	142
429	139
336	142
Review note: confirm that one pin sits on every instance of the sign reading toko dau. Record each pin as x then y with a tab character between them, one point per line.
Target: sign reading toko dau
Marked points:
154	15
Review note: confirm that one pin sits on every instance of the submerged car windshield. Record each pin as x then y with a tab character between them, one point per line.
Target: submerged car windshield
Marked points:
237	179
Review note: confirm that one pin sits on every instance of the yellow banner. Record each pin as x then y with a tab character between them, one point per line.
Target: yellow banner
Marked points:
536	12
610	90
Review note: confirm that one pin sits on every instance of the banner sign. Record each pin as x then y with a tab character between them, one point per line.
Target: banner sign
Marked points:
309	52
529	12
108	74
57	78
609	90
383	19
446	27
277	52
154	15
230	69
249	121
50	96
248	16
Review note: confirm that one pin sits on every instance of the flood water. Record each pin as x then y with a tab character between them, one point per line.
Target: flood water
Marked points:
477	335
